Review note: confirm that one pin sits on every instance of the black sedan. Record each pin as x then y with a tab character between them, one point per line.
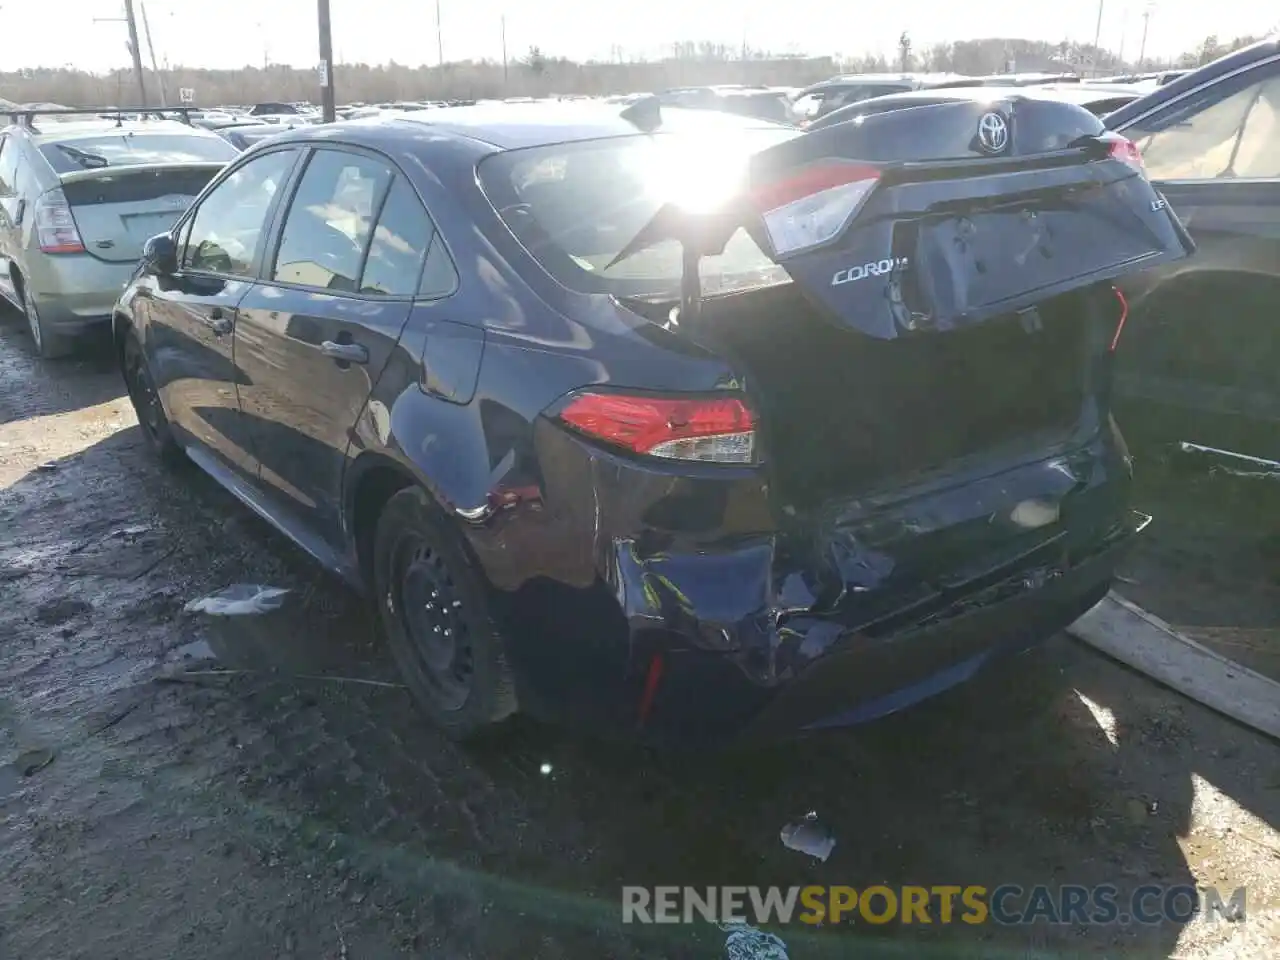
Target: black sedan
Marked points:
673	424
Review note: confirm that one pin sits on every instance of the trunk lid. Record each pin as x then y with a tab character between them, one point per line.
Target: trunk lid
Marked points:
939	216
939	244
117	209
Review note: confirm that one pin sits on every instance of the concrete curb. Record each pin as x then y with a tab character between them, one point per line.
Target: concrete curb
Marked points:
1129	634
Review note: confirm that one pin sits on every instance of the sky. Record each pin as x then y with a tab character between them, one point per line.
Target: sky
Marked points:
232	33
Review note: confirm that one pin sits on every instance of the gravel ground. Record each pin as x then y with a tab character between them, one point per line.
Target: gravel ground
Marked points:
176	786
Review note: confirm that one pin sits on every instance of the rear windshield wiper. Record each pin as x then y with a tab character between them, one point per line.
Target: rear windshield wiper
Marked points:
90	161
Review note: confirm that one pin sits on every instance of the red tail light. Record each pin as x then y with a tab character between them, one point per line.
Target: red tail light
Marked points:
1127	152
56	228
1124	315
711	430
814	205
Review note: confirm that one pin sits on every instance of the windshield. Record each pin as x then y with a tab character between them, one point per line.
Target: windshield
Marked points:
574	206
113	150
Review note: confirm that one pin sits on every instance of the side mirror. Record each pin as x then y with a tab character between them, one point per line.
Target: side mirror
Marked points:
160	255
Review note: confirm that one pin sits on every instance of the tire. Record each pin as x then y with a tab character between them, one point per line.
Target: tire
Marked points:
146	404
437	618
49	345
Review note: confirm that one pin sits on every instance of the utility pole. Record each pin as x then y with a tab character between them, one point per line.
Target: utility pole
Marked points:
133	46
1097	38
1142	49
151	47
503	21
326	64
439	38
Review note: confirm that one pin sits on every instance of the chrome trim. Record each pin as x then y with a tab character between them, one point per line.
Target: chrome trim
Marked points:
1196	89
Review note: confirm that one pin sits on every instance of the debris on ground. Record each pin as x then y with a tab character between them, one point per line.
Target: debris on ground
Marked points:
239	599
31	762
131	533
55	613
745	942
809	836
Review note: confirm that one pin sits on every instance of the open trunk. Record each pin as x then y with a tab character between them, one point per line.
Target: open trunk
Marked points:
117	209
950	296
845	413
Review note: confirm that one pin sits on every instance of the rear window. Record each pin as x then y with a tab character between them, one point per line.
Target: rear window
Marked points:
119	149
575	206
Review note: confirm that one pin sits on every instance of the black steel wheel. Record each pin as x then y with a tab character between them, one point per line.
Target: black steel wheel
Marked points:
146	403
437	618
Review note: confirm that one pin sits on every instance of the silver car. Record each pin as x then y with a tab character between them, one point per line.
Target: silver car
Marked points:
78	198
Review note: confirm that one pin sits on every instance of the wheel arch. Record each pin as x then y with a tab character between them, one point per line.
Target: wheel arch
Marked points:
373	478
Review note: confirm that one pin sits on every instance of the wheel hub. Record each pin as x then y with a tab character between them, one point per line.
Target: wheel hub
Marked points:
432	613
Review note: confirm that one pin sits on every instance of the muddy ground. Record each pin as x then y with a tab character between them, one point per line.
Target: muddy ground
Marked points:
282	812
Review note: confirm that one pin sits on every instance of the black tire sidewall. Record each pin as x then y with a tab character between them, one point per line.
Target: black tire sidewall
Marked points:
491	697
161	441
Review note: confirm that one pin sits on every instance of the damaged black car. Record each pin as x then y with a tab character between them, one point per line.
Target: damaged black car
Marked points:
678	427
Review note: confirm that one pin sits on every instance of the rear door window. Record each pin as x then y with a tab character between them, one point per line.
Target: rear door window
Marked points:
227	230
400	243
1229	130
330	221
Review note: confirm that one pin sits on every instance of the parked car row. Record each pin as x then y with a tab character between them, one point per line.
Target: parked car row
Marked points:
798	460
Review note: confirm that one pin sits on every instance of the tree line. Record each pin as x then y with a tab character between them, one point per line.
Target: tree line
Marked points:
539	73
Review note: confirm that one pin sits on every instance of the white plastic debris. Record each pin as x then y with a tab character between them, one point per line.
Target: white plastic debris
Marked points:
745	942
239	599
808	836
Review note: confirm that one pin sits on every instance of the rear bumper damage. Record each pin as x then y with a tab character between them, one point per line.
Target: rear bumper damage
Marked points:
834	676
681	643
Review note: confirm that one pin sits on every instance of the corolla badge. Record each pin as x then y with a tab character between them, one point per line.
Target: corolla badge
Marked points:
993	133
876	268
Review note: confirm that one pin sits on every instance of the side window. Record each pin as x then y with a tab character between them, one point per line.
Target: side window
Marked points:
8	166
400	244
330	220
229	225
809	105
439	278
1226	131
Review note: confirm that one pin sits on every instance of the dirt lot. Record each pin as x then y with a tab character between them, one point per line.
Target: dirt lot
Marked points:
264	813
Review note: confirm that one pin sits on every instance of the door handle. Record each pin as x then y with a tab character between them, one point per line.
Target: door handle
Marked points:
219	322
345	352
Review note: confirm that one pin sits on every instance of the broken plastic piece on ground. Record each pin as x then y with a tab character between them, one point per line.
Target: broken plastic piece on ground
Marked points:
131	532
33	761
745	942
808	836
239	599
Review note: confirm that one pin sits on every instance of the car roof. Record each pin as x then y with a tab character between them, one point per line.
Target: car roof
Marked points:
505	126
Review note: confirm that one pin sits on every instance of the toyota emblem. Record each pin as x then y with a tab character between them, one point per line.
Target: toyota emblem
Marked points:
993	133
